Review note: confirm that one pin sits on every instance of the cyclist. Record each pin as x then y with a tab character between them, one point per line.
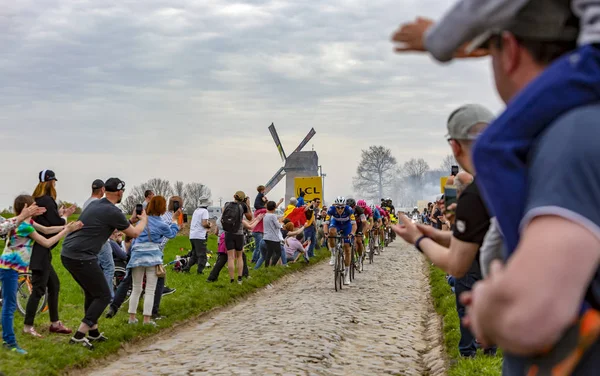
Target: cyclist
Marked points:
388	206
340	218
385	219
377	224
361	225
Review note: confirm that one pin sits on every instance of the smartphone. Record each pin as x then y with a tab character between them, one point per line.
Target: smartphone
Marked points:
454	171
450	195
175	206
185	218
139	208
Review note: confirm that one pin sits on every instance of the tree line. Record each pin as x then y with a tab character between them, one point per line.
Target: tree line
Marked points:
191	193
379	175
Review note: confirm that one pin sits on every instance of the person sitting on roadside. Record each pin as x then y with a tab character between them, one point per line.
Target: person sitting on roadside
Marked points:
294	248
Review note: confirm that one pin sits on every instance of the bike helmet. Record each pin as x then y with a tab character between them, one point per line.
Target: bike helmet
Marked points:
362	203
350	202
340	201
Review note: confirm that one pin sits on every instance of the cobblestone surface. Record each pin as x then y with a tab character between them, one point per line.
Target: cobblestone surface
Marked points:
383	324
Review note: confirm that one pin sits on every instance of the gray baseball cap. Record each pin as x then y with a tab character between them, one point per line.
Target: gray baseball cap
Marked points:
542	20
466	117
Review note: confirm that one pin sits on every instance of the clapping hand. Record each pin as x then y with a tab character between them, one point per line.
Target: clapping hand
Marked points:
31	211
407	230
74	226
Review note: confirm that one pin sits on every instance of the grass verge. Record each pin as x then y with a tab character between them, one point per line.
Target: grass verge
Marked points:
445	305
52	354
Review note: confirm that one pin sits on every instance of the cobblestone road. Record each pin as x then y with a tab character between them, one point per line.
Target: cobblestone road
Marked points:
382	324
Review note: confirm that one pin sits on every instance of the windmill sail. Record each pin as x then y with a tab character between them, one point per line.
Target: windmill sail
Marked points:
274	180
277	142
306	140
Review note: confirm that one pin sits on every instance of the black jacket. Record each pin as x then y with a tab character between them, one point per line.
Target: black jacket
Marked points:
41	257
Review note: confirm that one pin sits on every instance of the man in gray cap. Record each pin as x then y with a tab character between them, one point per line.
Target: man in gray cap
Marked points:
456	251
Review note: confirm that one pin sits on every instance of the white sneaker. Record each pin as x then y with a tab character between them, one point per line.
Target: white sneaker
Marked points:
346	279
332	260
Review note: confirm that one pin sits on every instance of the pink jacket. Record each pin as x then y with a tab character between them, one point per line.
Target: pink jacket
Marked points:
222	247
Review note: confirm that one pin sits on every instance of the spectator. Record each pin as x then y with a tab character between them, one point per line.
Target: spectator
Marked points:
105	259
43	277
542	307
257	232
456	252
198	235
300	201
462	180
119	249
272	235
310	229
79	256
15	260
234	233
291	206
146	255
261	200
437	216
221	260
148	194
7	225
294	248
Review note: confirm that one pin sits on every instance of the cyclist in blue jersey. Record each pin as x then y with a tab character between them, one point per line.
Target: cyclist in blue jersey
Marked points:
340	219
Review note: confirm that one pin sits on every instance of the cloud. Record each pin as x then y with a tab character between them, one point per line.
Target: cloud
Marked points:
185	90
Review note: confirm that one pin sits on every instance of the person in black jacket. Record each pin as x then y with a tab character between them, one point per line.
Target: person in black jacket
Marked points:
43	275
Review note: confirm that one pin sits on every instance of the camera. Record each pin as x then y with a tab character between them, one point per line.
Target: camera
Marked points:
139	208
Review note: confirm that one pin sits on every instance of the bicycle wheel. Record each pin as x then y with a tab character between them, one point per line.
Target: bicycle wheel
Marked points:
336	275
24	292
352	261
341	264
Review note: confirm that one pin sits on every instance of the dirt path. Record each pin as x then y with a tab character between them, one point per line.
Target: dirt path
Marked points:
382	324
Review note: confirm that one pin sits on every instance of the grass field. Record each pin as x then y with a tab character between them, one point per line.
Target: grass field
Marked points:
445	306
53	354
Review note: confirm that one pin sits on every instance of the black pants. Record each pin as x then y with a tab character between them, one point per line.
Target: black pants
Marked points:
198	255
221	263
273	252
466	345
40	281
89	275
217	267
125	286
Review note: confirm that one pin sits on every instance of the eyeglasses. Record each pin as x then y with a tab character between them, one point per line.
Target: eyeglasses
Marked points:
338	207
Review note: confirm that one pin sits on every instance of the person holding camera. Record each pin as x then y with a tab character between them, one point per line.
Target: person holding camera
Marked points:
232	223
147	257
456	252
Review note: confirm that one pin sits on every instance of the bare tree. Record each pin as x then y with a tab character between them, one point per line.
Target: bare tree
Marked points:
196	195
135	196
447	164
160	187
415	170
375	173
179	189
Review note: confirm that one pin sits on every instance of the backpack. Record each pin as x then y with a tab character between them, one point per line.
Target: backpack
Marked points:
231	217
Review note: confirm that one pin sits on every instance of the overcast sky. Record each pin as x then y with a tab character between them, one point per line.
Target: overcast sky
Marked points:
185	90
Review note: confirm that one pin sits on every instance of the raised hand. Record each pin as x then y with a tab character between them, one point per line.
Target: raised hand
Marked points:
411	35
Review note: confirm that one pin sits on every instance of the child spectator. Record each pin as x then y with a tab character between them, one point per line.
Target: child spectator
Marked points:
15	260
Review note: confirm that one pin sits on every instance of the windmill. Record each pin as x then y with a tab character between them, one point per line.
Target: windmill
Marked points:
298	164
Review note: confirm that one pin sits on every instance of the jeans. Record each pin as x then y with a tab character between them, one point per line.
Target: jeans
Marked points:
258	236
283	255
43	280
89	276
198	255
121	293
467	345
10	284
107	263
263	255
150	289
310	233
